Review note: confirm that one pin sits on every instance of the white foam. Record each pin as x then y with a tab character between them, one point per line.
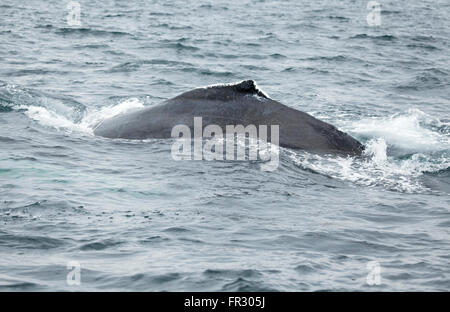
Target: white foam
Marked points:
405	131
377	167
91	119
46	117
377	149
413	134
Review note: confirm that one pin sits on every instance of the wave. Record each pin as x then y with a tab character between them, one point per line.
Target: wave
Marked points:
60	112
335	58
124	67
89	31
35	71
13	97
377	169
339	18
430	78
208	72
172	27
399	150
84	31
90	120
380	37
182	47
136	65
413	131
428	47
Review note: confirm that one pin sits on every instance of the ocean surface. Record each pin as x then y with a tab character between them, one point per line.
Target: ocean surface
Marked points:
80	212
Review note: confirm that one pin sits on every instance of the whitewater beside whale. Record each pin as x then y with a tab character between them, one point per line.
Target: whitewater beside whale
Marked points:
231	104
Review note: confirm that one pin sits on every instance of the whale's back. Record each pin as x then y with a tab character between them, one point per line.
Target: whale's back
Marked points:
234	104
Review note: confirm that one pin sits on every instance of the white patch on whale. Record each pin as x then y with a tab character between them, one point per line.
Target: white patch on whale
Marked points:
233	84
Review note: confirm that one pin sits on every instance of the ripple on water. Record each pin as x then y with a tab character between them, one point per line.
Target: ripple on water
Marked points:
101	245
17	241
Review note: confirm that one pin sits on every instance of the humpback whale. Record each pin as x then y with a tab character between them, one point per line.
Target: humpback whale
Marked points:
241	103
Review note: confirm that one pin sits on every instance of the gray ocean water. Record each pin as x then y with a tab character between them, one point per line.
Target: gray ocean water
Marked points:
134	219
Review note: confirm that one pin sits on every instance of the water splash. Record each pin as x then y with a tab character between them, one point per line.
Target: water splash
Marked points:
399	150
92	118
411	131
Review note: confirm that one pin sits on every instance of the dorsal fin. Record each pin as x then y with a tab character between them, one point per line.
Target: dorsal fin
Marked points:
246	86
224	92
